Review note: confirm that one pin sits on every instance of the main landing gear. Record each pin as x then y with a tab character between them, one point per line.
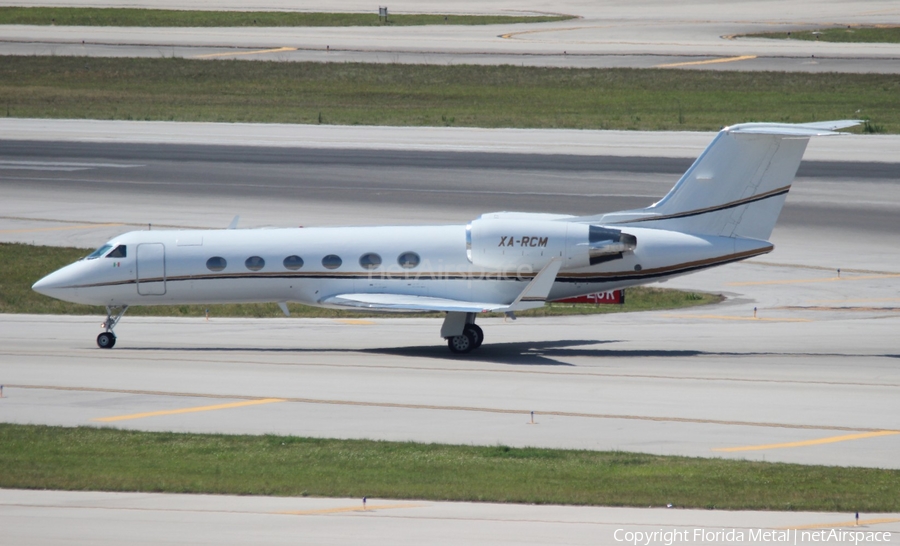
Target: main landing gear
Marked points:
468	341
107	340
461	332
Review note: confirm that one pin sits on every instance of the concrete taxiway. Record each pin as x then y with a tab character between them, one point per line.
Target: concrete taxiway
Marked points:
710	383
797	60
649	33
116	518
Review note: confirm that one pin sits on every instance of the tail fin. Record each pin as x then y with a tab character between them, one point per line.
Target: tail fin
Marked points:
737	186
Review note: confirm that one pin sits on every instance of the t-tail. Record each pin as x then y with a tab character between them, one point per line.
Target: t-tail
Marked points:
737	187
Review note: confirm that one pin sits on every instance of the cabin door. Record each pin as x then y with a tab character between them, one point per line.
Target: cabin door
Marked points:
151	269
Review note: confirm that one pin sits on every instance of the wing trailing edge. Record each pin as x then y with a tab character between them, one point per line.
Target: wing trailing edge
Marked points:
532	296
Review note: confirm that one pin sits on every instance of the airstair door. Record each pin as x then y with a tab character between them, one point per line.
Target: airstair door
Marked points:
151	269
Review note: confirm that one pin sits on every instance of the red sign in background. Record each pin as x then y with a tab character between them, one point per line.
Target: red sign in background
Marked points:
613	296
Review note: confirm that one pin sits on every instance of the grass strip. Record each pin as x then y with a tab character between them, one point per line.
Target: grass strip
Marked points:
174	89
86	458
129	17
22	265
850	33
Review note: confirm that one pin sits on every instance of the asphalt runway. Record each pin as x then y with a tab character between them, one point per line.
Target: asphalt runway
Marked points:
812	379
644	34
111	187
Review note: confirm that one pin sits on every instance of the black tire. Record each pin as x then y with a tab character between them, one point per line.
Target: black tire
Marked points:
463	343
106	340
477	334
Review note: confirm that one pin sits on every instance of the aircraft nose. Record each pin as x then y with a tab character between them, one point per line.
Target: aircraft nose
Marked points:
67	284
39	285
55	284
45	286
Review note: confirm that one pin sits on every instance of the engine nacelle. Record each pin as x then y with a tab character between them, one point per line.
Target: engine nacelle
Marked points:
519	244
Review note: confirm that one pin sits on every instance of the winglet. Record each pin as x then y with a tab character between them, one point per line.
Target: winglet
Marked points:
535	294
234	223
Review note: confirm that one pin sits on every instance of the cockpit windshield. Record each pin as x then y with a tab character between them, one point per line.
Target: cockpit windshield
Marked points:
119	252
97	253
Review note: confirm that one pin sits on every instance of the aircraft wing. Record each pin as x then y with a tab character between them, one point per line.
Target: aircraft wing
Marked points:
400	302
532	296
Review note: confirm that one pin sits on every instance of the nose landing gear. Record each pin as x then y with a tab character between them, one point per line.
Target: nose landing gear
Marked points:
107	340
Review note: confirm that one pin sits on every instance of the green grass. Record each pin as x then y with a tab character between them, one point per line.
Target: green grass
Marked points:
879	34
42	457
428	95
22	265
126	17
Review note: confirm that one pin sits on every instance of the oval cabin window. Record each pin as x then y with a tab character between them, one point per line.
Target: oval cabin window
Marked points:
332	262
216	263
408	260
255	263
370	261
293	263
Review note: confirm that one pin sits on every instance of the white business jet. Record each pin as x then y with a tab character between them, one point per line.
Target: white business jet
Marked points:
722	210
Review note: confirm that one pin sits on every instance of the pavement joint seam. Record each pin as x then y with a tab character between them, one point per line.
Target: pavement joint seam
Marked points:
531	372
470	409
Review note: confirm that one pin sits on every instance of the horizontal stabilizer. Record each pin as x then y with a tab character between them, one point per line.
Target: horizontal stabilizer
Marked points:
819	128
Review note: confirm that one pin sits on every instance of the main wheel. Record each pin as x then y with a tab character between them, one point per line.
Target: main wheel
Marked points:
462	343
477	334
106	340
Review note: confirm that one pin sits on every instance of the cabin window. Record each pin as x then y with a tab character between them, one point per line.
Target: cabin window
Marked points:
216	263
370	261
97	253
408	260
293	263
255	263
118	252
332	262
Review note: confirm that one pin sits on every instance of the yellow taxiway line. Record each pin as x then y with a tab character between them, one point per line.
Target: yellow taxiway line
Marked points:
257	52
189	410
710	61
338	510
819	441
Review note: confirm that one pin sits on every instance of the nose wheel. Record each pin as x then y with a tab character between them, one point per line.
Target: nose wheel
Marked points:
107	340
